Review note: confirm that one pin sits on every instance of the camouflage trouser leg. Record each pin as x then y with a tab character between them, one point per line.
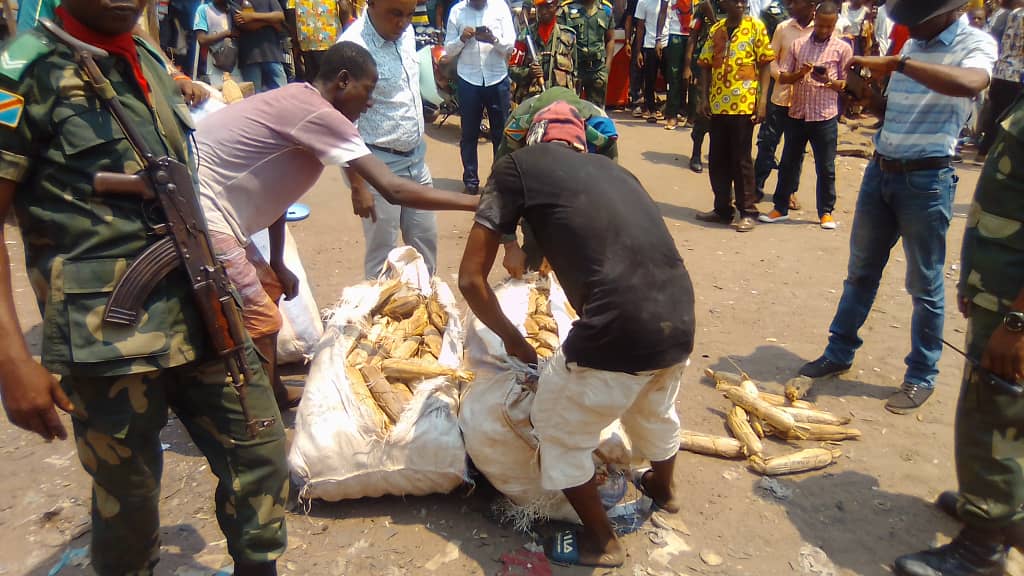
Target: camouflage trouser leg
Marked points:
989	440
593	86
117	425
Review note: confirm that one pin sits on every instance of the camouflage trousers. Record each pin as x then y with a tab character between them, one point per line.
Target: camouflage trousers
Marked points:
593	85
117	423
989	440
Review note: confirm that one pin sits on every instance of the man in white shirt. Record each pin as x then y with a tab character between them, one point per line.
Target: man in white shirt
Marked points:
646	18
481	34
393	131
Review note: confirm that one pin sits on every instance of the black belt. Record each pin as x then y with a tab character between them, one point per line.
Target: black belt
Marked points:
392	151
893	166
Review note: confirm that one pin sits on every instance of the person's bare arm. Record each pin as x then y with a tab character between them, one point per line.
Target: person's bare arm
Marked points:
28	391
947	80
691	44
704	94
477	260
1004	353
796	75
764	77
662	14
363	204
205	39
629	25
405	192
289	281
641	31
257	20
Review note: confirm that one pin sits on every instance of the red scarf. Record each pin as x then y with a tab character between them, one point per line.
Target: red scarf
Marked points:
545	30
121	45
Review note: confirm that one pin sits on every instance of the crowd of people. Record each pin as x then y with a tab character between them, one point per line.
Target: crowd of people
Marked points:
794	68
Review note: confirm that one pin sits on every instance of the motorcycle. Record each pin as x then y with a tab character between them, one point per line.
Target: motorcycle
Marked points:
438	79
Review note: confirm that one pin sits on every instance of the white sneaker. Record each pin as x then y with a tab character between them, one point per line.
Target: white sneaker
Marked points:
775	216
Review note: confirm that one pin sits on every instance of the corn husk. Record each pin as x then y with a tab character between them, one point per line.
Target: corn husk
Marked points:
548	339
426	356
798	387
402	307
802	404
771	415
815	416
802	461
710	445
544	322
357	357
414	370
544	352
757	426
378	331
821	433
387	291
432	341
362	393
530	326
437	315
407	349
725	380
741	429
416	324
392	399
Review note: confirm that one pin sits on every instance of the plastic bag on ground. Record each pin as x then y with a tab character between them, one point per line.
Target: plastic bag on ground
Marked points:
495	415
338	451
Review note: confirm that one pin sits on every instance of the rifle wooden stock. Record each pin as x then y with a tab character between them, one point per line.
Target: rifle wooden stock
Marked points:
114	184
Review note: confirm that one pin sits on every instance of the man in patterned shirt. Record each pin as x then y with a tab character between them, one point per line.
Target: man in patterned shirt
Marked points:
734	93
314	25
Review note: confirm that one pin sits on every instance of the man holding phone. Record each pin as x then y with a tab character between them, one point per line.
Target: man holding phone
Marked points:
481	34
816	68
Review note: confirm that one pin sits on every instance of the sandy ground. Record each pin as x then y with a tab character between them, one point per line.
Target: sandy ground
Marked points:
764	298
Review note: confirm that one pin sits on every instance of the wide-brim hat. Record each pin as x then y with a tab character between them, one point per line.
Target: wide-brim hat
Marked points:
914	12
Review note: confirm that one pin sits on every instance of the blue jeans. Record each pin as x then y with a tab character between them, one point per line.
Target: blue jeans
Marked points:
472	101
824	137
265	75
916	206
768	137
418	227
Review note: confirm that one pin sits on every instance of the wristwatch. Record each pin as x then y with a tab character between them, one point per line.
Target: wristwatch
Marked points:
1014	321
902	63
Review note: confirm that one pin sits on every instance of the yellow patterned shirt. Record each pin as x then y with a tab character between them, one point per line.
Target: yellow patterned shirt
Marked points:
318	23
733	62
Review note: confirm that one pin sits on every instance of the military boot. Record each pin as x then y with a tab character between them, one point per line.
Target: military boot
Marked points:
948	501
974	552
259	569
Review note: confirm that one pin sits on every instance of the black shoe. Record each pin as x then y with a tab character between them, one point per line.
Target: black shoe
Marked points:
974	552
472	189
696	165
947	502
713	217
823	368
909	398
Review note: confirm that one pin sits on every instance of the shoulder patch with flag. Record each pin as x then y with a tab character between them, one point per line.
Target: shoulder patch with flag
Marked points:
11	106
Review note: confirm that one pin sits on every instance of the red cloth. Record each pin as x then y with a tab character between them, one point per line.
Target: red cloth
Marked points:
684	10
560	122
545	30
122	45
900	35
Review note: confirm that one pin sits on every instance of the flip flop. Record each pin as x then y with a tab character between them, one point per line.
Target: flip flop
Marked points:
565	551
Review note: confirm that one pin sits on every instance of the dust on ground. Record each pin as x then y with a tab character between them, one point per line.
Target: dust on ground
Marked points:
764	298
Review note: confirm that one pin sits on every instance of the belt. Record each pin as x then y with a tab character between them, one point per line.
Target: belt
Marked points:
392	151
893	166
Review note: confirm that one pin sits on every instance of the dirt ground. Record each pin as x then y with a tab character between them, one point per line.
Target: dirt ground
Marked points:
764	298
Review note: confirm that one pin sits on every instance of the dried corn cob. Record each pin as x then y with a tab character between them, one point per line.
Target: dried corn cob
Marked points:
362	393
771	415
740	428
438	316
802	461
822	433
357	357
388	289
416	324
530	326
392	399
802	404
710	445
725	380
432	341
426	356
548	339
414	370
755	424
545	322
815	416
544	352
401	307
378	330
406	349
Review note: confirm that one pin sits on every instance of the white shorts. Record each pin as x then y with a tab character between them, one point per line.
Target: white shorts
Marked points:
574	404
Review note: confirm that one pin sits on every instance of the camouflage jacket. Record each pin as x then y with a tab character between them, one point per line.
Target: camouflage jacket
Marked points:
519	122
992	267
557	59
55	134
590	32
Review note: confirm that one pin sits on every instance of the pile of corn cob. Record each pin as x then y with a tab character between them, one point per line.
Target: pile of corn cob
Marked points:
399	349
755	415
541	328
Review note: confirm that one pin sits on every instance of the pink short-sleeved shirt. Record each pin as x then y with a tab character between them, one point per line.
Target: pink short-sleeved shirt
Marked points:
260	155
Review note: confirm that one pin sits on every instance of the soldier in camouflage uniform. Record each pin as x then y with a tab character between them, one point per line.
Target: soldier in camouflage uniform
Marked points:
705	14
595	41
989	446
119	382
557	55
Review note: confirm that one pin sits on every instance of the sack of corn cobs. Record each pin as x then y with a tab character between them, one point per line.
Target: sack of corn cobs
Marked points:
494	412
379	415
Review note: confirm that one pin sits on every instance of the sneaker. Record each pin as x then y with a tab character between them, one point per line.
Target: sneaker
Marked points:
909	398
659	115
828	222
638	111
671	124
772	218
823	368
745	224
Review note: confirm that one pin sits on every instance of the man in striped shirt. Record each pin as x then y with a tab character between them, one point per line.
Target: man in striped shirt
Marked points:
816	68
908	187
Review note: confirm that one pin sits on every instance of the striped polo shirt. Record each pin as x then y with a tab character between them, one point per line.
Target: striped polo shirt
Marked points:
921	123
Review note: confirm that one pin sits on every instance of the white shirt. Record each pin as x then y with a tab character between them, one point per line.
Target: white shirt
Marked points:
883	30
854	17
480	63
396	118
647	10
755	7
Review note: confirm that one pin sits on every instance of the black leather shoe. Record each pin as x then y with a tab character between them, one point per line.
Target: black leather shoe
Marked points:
909	398
472	189
823	368
713	217
947	502
974	552
696	165
259	569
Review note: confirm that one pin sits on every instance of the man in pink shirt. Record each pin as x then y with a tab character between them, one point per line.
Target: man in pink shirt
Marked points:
816	68
770	133
260	155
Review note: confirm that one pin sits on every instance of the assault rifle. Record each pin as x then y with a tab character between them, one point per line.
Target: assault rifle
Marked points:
185	242
530	47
